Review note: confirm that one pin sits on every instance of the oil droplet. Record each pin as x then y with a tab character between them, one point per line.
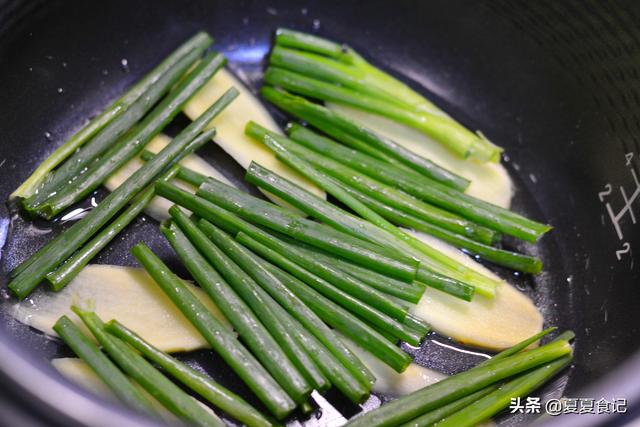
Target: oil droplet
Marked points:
304	11
105	72
47	136
124	65
272	11
316	24
60	90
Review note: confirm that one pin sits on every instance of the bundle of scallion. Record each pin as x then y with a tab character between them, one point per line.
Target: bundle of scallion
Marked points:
321	69
48	260
476	395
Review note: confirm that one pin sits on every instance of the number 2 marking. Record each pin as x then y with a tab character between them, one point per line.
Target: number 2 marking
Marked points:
607	190
626	247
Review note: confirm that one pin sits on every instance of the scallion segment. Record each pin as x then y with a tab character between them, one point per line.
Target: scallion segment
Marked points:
104	368
513	260
465	280
262	303
375	257
241	301
423	188
217	335
458	386
330	312
338	126
198	43
156	384
200	383
494	402
61	277
55	252
131	144
349	71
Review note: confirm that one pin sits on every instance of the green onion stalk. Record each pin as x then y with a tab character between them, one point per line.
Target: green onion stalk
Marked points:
157	385
50	256
132	143
223	341
421	187
428	255
329	71
198	43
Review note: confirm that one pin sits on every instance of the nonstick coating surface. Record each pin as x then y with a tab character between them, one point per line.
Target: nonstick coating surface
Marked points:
557	85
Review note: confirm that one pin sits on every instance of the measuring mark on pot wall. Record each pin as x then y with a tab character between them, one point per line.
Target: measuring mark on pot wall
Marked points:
627	208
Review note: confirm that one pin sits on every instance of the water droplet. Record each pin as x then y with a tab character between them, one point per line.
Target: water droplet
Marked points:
124	65
316	24
64	64
30	68
245	21
533	178
105	72
47	136
272	11
60	90
304	11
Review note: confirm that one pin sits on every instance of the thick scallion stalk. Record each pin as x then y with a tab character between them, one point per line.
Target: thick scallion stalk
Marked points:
264	213
156	384
223	342
505	258
54	253
336	125
308	319
354	65
491	404
385	193
331	313
104	368
417	324
200	383
354	73
457	386
438	127
61	276
198	43
439	414
432	417
241	301
379	230
431	258
327	69
419	186
325	287
130	145
411	292
261	302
